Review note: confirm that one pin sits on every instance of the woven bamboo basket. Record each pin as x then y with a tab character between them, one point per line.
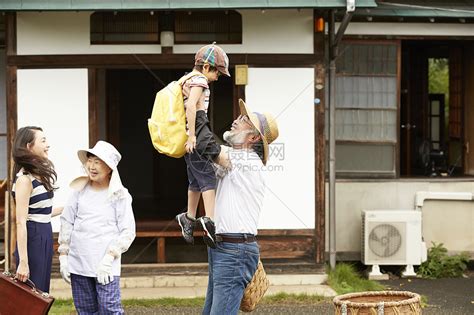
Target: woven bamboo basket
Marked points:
255	289
378	303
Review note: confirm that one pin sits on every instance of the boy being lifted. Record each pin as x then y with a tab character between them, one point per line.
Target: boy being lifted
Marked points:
202	150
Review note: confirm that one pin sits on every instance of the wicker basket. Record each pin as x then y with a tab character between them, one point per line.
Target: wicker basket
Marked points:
378	303
255	289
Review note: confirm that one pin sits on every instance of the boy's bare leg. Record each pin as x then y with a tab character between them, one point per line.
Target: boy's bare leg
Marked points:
209	198
207	222
193	201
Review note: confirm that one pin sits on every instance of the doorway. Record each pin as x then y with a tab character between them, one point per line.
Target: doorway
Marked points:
157	183
431	125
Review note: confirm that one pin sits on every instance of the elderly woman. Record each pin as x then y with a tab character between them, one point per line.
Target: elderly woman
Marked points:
97	226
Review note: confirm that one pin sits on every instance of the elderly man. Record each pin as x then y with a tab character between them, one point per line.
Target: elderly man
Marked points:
239	201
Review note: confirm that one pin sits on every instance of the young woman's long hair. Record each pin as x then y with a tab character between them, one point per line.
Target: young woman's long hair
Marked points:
41	168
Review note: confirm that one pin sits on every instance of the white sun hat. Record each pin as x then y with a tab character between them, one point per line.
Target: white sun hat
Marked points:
110	156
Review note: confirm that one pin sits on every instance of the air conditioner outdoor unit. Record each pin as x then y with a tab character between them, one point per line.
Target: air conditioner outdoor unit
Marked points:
392	237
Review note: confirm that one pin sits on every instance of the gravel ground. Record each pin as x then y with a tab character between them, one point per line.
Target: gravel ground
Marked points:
453	296
322	308
445	297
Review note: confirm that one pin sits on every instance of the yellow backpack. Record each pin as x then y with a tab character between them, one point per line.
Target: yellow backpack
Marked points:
167	124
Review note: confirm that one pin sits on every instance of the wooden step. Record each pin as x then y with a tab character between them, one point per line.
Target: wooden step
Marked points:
200	269
271	267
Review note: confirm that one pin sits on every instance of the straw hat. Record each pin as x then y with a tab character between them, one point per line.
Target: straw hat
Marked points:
265	124
110	156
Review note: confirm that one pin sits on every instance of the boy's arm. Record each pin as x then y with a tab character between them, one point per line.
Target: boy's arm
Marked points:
194	96
223	157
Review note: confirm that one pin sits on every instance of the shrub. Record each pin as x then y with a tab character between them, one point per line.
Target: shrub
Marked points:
345	279
440	265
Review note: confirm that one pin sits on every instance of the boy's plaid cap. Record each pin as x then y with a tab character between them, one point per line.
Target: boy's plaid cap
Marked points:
214	56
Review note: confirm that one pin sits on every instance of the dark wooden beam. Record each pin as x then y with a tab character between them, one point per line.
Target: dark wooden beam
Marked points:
239	92
399	107
286	247
12	121
162	61
320	143
10	25
93	107
112	109
167	50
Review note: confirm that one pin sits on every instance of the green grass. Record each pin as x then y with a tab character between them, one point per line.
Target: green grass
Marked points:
345	279
199	301
285	298
424	301
62	307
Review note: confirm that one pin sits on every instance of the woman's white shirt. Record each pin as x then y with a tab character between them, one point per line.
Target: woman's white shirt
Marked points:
97	223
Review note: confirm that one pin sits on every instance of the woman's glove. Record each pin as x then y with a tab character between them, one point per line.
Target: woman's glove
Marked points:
104	271
64	269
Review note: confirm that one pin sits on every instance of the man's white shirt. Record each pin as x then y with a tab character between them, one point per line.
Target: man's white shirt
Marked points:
240	192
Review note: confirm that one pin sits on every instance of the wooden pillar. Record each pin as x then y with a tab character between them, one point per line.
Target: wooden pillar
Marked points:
12	121
113	107
167	50
10	29
93	107
239	92
320	140
160	250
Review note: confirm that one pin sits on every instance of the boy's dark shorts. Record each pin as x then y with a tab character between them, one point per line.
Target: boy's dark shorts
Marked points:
201	173
206	145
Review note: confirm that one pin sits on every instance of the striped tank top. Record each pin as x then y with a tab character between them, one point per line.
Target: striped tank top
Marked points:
41	200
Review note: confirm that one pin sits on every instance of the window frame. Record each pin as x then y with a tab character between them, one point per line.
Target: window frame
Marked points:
209	14
103	14
363	174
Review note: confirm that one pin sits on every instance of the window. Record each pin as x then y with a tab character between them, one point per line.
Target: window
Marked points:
455	95
366	109
203	27
124	28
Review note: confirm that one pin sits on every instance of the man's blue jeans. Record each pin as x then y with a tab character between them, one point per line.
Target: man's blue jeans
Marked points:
231	267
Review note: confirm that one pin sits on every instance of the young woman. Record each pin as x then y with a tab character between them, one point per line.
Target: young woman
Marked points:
33	186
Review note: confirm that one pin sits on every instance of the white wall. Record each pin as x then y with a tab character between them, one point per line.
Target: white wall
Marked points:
409	29
288	94
275	31
57	101
447	222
